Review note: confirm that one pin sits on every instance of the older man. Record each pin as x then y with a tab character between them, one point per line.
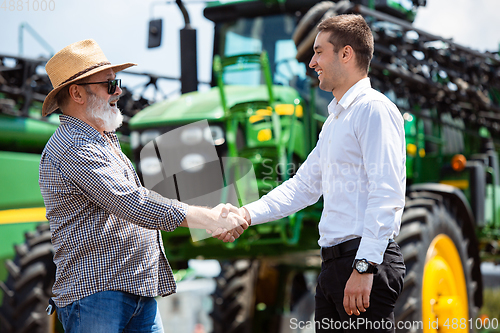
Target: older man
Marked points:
105	225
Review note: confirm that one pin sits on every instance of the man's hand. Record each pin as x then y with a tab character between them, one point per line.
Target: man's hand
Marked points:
225	210
357	293
229	212
204	218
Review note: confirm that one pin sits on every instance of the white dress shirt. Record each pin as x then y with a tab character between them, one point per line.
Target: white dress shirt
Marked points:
358	165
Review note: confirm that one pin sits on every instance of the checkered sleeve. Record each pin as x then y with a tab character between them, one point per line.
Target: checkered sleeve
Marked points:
92	172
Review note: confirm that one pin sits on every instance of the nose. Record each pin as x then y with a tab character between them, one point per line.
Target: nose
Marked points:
118	91
313	63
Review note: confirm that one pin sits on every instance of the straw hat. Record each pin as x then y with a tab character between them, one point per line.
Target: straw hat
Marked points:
75	62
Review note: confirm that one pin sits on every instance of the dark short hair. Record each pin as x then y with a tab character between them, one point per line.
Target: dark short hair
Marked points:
350	29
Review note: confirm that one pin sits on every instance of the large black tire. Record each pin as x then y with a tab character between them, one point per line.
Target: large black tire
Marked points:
29	286
234	297
261	295
426	216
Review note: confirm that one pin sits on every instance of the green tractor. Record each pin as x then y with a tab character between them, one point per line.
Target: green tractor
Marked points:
27	279
265	107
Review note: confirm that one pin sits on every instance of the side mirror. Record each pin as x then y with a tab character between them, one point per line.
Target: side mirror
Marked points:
154	38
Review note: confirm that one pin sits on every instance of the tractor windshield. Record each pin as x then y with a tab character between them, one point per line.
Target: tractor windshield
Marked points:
272	34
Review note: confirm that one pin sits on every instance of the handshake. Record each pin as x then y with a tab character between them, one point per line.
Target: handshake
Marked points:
231	222
224	222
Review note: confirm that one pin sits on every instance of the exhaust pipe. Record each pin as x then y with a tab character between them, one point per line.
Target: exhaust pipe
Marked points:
189	65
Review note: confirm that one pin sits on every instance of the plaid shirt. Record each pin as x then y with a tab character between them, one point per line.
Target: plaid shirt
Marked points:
105	224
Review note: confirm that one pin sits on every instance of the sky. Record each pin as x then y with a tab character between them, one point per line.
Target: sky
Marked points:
120	28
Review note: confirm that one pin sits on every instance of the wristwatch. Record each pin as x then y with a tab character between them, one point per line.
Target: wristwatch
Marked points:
363	266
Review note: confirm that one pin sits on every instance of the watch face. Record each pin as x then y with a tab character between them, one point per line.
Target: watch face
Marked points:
361	266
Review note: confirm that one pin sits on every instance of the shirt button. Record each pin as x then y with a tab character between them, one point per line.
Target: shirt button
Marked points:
336	117
326	214
381	253
329	141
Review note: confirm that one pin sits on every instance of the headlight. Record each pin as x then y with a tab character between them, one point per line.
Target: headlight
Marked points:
215	134
192	136
150	166
192	162
149	135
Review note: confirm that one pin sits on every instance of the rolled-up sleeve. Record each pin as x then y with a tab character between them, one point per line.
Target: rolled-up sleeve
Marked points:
91	171
380	132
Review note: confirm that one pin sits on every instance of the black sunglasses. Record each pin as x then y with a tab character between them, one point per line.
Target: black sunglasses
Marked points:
112	84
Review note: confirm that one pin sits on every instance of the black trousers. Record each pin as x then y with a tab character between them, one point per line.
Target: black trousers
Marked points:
330	315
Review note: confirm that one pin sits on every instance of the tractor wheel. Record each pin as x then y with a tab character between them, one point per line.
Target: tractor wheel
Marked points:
438	288
29	286
234	297
261	296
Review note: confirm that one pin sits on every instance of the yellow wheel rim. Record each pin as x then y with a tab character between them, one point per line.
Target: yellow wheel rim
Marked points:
444	293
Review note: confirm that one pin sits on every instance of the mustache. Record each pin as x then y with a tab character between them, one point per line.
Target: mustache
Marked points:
109	118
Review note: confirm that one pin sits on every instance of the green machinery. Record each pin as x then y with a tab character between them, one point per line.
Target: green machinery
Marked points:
265	106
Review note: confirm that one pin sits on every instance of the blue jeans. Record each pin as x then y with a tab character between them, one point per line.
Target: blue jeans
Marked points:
110	312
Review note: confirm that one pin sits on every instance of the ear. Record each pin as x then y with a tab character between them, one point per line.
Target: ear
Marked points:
75	93
347	54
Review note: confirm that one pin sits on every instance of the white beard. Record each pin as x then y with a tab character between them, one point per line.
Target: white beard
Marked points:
107	117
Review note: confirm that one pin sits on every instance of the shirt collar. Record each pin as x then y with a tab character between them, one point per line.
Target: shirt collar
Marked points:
81	125
336	107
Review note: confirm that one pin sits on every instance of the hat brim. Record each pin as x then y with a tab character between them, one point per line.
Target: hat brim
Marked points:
50	103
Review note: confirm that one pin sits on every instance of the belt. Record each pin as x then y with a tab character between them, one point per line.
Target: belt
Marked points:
334	252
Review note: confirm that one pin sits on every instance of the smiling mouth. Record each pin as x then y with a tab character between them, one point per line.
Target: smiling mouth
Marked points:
319	72
113	103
